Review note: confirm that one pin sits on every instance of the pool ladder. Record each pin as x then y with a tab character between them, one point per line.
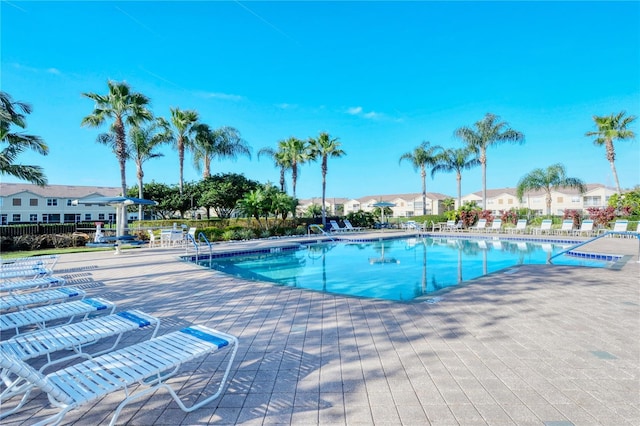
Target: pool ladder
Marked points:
629	233
196	245
319	228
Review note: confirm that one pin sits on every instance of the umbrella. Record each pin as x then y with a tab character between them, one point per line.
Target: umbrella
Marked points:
120	203
382	205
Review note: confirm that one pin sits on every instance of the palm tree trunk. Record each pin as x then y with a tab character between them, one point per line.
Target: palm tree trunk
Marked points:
423	174
459	180
324	188
483	161
548	201
181	160
611	156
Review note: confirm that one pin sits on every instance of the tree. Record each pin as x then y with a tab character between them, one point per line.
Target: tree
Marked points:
224	142
553	177
422	156
610	128
295	152
457	160
185	125
324	147
221	192
144	141
13	114
125	108
488	132
280	160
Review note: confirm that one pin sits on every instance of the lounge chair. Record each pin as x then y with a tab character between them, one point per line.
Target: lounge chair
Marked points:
336	228
545	226
496	226
76	336
481	226
521	227
45	282
22	272
586	229
42	315
148	364
44	297
566	229
350	227
44	261
452	226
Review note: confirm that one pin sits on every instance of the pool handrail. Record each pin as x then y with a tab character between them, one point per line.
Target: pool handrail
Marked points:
318	227
631	233
203	237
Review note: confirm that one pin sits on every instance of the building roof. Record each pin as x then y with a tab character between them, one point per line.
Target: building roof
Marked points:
58	191
493	193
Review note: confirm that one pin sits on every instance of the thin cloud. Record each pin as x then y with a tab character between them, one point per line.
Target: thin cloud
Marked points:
354	110
222	96
26	68
358	111
286	106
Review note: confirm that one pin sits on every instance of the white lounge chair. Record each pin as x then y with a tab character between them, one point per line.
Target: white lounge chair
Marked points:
545	226
496	226
566	229
148	364
22	272
586	228
45	282
336	228
481	226
42	315
521	227
76	336
350	227
44	261
23	300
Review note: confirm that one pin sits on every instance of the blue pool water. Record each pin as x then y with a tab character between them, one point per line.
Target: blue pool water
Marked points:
397	269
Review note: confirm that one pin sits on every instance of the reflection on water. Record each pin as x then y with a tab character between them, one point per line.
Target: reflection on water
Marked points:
399	269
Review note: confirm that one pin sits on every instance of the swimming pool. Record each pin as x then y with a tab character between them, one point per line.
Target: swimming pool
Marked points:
394	269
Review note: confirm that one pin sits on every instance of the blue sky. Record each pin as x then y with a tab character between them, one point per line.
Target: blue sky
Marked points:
380	76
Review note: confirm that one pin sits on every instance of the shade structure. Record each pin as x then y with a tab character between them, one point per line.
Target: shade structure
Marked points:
382	205
120	203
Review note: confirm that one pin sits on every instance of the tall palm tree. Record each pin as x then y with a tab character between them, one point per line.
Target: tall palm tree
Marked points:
422	156
144	141
488	132
13	113
553	177
324	147
456	160
610	128
185	125
125	108
280	160
224	142
296	152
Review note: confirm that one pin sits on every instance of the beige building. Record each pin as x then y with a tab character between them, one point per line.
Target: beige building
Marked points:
597	195
27	203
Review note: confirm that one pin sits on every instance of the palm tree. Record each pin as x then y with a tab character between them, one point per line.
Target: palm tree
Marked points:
144	141
185	126
296	152
488	132
610	128
13	113
281	161
553	177
455	160
324	147
422	156
125	108
222	142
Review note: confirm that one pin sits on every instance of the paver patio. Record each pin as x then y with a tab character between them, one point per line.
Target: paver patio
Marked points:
535	345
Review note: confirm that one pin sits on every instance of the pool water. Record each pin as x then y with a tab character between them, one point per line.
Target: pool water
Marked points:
397	269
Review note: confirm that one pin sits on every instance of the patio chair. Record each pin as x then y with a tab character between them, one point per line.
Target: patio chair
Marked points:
39	283
42	315
43	261
336	228
44	297
153	241
496	226
149	364
521	227
481	226
76	337
350	227
27	271
586	228
566	229
545	226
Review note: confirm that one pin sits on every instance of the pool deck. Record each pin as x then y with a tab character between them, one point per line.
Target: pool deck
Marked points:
531	345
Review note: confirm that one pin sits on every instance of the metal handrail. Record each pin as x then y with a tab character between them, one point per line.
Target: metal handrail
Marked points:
318	227
204	238
594	239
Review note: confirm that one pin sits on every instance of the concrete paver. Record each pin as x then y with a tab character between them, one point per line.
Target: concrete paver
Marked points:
540	345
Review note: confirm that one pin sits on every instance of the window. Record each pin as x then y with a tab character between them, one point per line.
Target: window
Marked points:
52	202
33	202
500	201
592	201
510	201
575	199
16	218
87	216
100	216
33	217
17	201
69	203
560	199
112	217
3	219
